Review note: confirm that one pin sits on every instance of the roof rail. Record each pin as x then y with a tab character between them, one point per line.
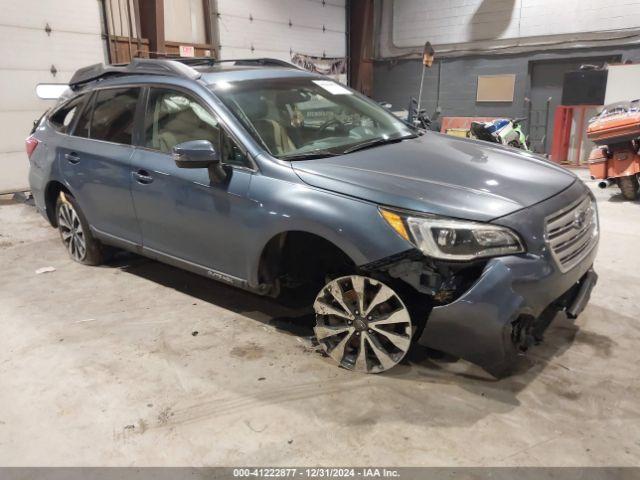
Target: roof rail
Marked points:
138	66
208	61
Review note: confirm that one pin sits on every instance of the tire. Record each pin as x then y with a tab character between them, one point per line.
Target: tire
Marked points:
629	186
363	324
75	233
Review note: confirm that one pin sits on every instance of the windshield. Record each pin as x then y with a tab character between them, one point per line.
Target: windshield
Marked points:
298	118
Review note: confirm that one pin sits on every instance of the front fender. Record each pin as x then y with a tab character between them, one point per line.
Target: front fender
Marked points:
284	205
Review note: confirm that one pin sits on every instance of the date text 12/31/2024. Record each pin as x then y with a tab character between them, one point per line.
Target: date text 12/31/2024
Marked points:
317	472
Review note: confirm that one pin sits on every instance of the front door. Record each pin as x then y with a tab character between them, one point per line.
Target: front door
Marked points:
182	212
96	162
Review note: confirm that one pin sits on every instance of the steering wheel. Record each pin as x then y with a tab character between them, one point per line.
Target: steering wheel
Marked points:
327	124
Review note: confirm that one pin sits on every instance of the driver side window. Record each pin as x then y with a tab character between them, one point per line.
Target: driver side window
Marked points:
173	117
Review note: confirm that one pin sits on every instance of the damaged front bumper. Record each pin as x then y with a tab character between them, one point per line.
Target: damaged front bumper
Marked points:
515	297
506	308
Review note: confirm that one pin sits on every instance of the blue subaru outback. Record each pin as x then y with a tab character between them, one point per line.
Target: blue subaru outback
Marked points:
270	178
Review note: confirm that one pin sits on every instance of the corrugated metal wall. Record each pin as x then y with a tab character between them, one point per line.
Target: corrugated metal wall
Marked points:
279	28
27	54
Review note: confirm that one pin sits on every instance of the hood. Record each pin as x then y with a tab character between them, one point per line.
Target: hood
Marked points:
440	174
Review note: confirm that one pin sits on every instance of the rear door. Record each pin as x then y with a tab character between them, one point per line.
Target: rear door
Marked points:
183	213
96	162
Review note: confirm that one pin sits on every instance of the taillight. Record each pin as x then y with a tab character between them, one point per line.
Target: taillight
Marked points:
30	144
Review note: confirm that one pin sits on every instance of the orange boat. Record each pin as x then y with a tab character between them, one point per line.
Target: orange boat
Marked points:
617	160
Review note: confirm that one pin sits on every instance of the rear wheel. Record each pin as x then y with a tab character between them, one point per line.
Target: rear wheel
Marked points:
629	186
75	233
362	324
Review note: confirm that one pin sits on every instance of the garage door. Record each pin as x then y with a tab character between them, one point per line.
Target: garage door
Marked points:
282	28
36	39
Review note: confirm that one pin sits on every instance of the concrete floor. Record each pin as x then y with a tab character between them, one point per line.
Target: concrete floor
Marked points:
102	366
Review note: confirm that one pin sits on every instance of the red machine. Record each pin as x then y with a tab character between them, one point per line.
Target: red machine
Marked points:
617	160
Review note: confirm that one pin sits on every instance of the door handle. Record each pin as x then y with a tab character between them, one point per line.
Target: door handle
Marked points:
72	158
143	177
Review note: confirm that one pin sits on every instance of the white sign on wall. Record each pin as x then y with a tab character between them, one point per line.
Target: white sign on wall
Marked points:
623	83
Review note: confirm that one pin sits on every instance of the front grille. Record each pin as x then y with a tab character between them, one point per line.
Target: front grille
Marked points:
572	232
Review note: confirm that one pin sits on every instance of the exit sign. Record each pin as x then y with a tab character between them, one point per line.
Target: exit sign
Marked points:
187	51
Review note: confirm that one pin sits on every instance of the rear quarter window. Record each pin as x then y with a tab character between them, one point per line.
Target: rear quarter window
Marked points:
62	118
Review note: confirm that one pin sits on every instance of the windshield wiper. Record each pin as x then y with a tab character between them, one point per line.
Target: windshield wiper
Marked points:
310	155
376	142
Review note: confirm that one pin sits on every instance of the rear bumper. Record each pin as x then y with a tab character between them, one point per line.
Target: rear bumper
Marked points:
482	326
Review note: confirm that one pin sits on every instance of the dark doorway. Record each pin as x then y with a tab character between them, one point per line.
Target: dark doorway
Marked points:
546	82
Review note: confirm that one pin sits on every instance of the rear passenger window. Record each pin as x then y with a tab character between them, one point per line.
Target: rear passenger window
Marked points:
174	117
113	114
63	117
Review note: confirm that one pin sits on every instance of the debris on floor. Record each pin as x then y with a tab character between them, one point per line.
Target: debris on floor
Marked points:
45	270
85	320
23	197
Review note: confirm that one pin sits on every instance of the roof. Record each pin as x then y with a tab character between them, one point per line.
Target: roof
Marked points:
207	69
250	73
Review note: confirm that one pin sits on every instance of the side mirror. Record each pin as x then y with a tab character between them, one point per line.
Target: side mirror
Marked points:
195	154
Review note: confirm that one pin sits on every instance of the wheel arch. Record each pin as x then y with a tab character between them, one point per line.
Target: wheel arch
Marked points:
51	193
281	248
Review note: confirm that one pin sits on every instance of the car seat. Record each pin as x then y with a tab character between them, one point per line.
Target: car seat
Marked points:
272	133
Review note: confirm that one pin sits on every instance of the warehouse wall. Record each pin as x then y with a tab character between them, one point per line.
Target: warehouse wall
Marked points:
460	21
27	55
279	28
396	80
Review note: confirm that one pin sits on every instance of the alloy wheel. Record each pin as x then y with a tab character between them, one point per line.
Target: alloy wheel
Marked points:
71	231
362	324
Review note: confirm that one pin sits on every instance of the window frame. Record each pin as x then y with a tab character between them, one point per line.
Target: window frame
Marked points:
224	130
140	114
87	105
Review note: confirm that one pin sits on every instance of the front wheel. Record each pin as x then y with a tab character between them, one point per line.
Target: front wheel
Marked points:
629	186
362	324
75	233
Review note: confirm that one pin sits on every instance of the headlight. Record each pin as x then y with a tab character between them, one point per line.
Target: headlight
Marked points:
448	239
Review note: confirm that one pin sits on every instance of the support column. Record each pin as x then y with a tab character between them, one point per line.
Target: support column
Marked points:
152	25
